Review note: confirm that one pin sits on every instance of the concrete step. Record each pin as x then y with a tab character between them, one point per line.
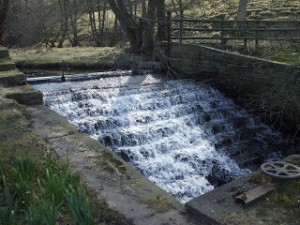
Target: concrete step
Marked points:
24	95
3	52
12	78
6	64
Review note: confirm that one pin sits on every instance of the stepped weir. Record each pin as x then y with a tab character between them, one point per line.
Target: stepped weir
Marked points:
183	135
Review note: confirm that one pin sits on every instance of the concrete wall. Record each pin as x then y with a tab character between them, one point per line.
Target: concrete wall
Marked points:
273	87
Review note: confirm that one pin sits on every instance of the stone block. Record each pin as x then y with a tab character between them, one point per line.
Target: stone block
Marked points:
12	78
25	95
3	52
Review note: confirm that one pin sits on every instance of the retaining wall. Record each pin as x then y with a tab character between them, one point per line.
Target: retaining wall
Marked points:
272	87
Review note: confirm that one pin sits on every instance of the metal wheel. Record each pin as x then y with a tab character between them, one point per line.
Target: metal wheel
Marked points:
281	170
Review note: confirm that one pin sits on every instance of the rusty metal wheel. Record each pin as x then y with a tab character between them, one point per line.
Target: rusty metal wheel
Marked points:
281	170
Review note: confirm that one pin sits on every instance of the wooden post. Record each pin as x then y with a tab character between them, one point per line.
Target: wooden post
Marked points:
63	67
245	28
223	42
257	33
169	25
181	26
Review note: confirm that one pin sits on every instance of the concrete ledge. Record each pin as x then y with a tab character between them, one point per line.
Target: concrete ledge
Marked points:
24	95
6	64
215	205
12	78
3	52
220	206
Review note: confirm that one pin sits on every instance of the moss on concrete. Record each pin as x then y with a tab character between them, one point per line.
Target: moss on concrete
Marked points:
111	164
160	205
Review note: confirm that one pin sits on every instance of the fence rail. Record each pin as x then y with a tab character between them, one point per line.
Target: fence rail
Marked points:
181	29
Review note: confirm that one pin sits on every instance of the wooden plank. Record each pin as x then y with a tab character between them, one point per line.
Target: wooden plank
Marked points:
177	19
256	193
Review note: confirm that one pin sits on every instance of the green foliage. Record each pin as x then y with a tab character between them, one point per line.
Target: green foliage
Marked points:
22	191
46	214
285	54
80	207
9	209
26	167
53	187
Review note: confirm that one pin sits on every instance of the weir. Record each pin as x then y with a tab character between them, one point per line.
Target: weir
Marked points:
181	134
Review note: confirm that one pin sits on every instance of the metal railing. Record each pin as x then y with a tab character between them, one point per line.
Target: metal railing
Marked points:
221	31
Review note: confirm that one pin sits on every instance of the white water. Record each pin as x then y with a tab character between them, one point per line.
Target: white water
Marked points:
172	131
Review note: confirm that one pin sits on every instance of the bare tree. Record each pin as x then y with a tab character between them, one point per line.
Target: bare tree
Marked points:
73	9
96	21
140	30
148	38
161	20
63	22
131	25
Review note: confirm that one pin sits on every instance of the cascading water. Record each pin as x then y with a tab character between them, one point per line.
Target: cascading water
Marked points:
182	135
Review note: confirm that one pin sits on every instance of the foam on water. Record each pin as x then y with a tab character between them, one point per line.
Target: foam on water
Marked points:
172	131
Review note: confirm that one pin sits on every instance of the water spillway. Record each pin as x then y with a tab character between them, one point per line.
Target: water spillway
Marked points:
181	134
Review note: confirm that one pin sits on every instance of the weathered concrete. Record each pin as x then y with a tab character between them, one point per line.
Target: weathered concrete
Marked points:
15	81
6	64
220	206
3	52
217	204
24	95
12	78
274	88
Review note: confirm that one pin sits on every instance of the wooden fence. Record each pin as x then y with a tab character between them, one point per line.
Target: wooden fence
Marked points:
221	31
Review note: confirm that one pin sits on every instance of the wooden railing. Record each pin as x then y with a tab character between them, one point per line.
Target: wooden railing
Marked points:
222	31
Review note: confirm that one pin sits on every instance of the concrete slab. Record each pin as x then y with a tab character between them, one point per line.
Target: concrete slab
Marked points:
3	52
6	64
12	78
221	206
24	95
215	205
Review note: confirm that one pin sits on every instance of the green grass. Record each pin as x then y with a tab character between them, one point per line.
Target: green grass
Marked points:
80	207
287	54
71	58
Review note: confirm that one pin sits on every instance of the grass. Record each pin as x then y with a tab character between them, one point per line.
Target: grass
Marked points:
289	54
71	58
35	186
80	207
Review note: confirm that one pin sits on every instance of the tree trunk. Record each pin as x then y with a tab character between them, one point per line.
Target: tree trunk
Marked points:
144	9
63	23
132	28
242	10
161	19
3	13
73	19
103	16
148	38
